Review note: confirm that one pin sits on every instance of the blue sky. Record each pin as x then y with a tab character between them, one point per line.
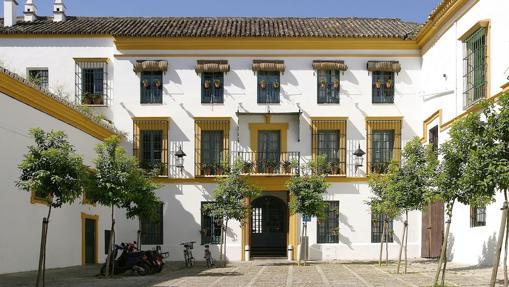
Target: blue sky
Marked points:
409	10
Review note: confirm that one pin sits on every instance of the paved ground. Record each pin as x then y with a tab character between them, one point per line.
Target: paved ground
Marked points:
264	273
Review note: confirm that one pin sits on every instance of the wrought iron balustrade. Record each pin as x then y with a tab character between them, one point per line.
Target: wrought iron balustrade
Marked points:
279	163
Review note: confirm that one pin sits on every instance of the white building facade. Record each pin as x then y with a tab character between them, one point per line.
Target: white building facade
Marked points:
226	88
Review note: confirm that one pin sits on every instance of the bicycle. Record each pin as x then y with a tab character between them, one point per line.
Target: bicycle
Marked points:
188	254
208	257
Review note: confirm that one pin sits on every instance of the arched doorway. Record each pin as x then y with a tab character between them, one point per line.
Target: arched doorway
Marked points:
269	225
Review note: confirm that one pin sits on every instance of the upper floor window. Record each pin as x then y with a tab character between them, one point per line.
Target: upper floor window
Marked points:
474	66
328	141
384	144
91	81
150	144
383	80
212	90
151	87
328	80
39	77
433	138
328	87
379	222
268	87
210	227
152	231
477	216
212	146
328	226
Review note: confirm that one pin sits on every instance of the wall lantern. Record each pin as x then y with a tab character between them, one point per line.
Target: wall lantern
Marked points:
359	157
179	158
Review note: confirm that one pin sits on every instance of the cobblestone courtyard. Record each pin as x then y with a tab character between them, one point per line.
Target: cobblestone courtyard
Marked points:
264	273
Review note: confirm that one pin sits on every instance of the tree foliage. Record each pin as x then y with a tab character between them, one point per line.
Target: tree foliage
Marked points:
383	201
52	169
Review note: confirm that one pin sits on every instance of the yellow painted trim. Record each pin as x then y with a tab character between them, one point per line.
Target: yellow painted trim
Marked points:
40	101
159	123
329	118
426	122
96	236
37	200
505	87
480	24
396	118
92	60
439	19
262	43
55	36
266	182
292	233
272	55
256	127
212	118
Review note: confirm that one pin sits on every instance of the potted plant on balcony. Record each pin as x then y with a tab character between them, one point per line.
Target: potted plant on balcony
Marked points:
206	84
217	84
206	168
388	83
287	166
333	167
247	166
98	99
323	84
276	85
87	99
272	166
336	85
263	84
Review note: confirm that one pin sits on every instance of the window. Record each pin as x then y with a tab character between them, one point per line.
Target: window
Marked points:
328	146
107	234
39	77
328	87
210	227
477	216
328	227
151	149
268	87
211	152
328	139
212	146
377	227
474	66
91	81
151	87
384	144
150	143
212	90
383	87
269	151
433	138
152	232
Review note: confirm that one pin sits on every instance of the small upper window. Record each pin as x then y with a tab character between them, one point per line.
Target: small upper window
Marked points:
151	87
212	90
328	87
39	77
91	82
383	87
268	87
474	63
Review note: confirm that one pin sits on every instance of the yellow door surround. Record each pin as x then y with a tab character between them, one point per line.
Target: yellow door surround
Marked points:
96	236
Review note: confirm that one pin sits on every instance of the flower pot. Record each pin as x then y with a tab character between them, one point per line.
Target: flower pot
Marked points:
276	85
217	84
146	84
157	83
323	85
98	100
263	84
378	84
388	84
206	84
336	85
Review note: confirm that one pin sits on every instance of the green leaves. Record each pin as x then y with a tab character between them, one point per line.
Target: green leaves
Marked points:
306	193
52	169
231	194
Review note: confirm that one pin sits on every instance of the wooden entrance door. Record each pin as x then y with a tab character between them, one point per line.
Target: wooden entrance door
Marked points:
89	243
432	230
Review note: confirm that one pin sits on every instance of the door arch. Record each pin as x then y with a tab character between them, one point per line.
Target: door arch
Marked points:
269	226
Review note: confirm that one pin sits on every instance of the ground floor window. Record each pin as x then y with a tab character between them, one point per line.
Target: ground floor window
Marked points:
377	227
210	227
328	226
477	216
152	231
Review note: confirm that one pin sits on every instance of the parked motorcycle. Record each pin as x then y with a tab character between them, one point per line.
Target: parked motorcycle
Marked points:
141	262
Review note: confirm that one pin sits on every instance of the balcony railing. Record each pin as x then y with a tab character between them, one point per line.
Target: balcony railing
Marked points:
276	163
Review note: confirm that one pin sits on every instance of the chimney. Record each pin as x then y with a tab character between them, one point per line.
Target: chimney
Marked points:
58	11
30	11
10	12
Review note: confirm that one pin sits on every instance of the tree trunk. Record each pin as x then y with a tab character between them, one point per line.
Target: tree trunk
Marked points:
381	245
505	253
41	272
386	243
225	237
111	261
444	244
301	242
406	241
138	235
221	243
500	239
401	247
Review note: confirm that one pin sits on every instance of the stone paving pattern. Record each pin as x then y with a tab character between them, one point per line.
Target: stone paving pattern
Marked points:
265	273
